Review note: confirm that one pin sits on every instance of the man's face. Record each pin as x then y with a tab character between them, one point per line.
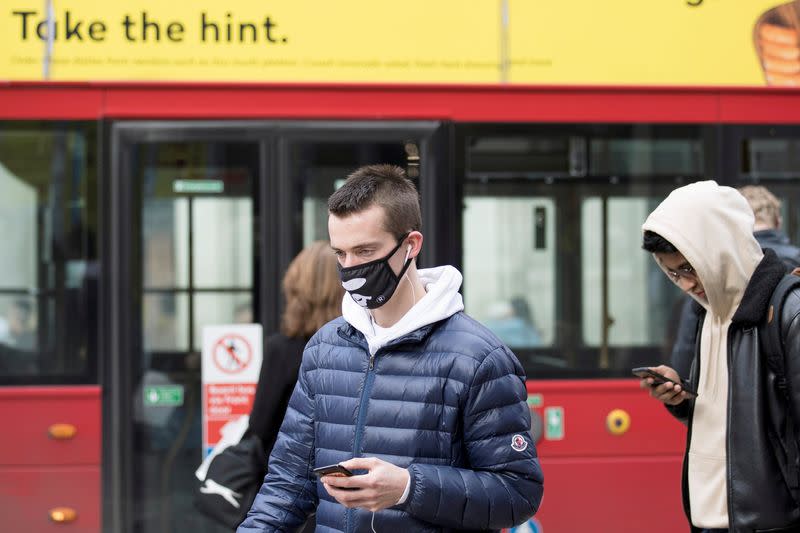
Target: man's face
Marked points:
360	238
682	273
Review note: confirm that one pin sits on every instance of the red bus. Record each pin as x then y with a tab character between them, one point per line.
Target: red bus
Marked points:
135	214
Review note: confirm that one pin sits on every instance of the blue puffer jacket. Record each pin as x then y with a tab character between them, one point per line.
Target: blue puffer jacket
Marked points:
447	401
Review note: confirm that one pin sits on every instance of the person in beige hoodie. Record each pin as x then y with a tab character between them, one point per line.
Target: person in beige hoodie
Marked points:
739	472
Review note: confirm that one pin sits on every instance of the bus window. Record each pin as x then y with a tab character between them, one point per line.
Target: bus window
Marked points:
551	240
320	167
48	268
509	260
640	297
771	158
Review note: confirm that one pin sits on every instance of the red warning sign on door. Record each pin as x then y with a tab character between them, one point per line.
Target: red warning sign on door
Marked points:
232	353
231	365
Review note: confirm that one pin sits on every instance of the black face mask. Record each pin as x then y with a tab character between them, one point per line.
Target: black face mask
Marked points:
372	284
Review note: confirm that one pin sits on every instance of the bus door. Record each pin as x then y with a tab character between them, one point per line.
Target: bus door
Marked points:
553	264
204	219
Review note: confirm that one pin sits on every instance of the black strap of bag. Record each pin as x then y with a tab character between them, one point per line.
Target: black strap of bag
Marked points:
775	350
234	477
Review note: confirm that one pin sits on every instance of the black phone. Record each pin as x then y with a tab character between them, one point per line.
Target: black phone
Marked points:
658	379
332	470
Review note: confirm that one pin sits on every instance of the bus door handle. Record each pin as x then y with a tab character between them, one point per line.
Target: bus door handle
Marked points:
62	431
63	515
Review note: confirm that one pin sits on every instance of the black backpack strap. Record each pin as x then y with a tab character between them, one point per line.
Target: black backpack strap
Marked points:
773	337
774	347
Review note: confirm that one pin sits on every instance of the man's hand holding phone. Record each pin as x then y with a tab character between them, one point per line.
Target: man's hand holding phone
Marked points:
380	487
669	390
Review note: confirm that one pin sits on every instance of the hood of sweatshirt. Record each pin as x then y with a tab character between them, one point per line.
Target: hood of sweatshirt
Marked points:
712	226
441	300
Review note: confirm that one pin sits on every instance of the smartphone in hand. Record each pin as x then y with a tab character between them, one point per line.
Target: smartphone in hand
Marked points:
332	470
659	379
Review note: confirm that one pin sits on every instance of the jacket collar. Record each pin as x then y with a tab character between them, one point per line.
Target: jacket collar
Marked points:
351	334
755	300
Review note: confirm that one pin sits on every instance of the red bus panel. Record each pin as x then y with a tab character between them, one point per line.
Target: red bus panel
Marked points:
614	450
50	463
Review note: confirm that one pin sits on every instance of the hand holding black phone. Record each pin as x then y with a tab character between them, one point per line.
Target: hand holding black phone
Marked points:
659	379
332	470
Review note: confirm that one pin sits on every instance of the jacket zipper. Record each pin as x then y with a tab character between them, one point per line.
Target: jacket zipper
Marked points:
728	478
685	477
362	414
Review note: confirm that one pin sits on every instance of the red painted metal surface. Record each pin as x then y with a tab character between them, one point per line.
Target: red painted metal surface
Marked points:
653	431
50	103
35	409
39	473
599	481
27	494
619	495
90	101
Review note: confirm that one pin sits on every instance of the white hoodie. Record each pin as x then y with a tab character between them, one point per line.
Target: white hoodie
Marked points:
441	301
712	226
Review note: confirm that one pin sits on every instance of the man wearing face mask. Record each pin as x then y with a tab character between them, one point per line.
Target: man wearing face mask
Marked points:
424	405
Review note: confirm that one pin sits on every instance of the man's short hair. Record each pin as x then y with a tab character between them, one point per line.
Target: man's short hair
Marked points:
656	244
386	186
766	207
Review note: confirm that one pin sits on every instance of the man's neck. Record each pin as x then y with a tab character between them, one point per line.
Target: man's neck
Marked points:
409	291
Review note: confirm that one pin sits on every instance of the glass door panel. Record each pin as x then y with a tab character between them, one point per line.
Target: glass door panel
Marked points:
197	261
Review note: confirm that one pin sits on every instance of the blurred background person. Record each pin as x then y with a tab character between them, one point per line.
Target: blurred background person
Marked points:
512	321
313	295
768	229
18	326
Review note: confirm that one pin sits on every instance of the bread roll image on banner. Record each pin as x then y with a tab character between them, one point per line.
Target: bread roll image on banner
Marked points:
776	38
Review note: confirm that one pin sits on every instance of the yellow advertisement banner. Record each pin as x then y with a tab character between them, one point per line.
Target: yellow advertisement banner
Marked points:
619	42
656	42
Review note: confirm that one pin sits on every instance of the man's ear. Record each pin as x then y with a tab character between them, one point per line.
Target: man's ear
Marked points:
415	243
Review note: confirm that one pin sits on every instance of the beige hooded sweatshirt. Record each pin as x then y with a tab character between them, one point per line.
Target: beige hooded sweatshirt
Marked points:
712	226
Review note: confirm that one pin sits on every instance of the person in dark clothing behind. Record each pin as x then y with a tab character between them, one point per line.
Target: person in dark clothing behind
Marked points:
767	231
313	296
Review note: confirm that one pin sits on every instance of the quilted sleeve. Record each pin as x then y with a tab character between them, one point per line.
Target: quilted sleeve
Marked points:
503	485
288	495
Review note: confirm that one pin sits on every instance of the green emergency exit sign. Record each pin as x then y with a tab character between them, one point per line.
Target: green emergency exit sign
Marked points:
198	186
169	395
554	423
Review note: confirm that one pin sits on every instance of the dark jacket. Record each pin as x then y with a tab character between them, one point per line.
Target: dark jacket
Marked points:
778	241
447	401
276	381
282	356
762	488
683	348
